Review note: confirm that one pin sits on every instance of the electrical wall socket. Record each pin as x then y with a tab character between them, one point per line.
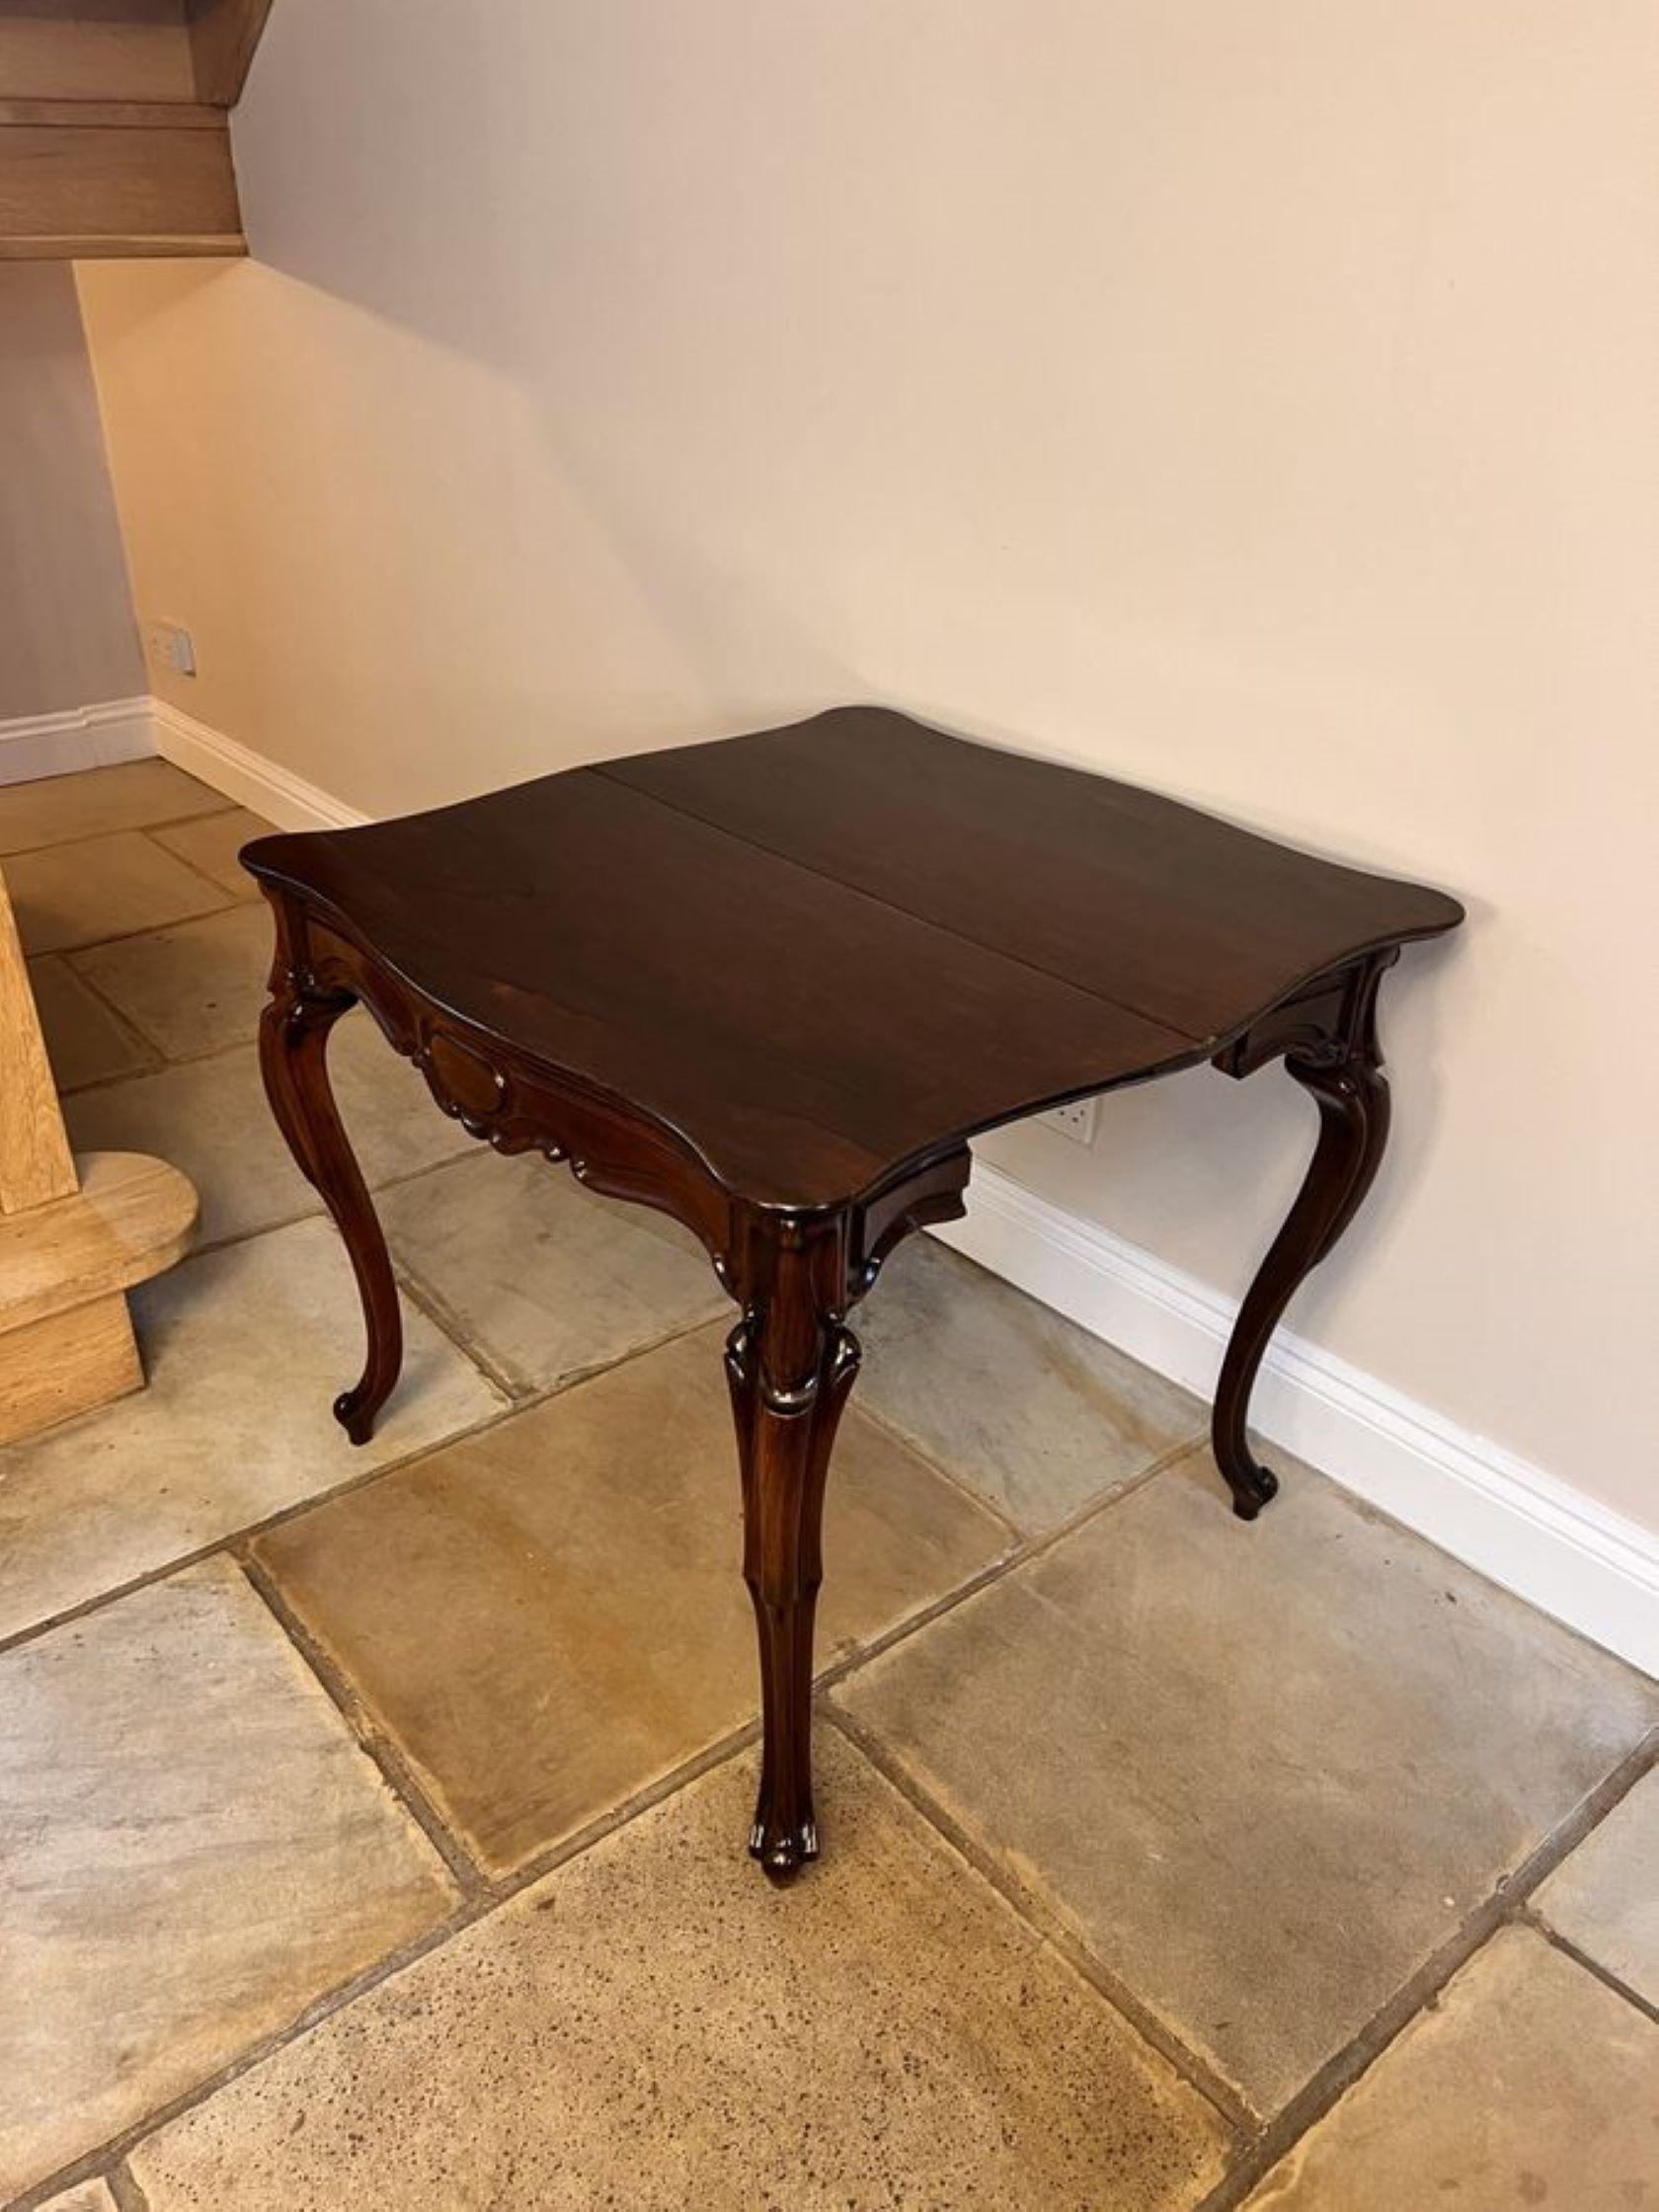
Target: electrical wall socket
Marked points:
171	646
1076	1121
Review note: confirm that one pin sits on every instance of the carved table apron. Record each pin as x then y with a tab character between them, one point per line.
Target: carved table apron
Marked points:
772	986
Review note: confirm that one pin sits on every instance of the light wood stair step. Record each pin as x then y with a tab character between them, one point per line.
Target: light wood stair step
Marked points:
113	126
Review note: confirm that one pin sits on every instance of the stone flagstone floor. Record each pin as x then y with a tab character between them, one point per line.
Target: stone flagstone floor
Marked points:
370	1823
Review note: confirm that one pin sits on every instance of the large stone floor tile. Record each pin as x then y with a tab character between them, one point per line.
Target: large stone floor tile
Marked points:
191	990
653	2028
213	843
85	1042
1605	1898
191	1848
245	1350
1529	2084
551	1615
1263	1771
1034	1412
130	796
210	1118
104	887
550	1280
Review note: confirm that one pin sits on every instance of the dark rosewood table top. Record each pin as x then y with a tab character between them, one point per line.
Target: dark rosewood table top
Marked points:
823	953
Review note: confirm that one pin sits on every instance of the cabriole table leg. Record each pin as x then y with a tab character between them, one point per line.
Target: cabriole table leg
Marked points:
1342	1070
790	1366
293	1060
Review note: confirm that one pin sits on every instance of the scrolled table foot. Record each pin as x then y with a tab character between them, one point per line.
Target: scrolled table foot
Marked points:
1252	1488
781	1855
355	1411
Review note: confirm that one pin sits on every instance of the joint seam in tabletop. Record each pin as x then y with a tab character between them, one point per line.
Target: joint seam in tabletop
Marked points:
305	903
893	906
309	904
1205	1047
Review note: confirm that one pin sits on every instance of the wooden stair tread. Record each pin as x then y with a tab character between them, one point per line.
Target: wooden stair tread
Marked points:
131	1217
113	127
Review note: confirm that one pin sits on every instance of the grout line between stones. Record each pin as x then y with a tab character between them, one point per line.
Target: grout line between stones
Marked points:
164	1061
1503	1905
128	1028
73	953
150	830
108	2159
541	1863
450	1327
224	1542
123	2186
1528	1917
1006	1563
935	1465
1263	2149
221	1544
152	929
483	1894
1047	1926
122	829
394	1769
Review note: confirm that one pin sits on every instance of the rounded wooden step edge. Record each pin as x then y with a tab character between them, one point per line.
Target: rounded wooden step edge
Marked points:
132	1217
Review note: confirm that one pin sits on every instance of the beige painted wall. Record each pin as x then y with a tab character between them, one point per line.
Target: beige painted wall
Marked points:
66	631
1256	401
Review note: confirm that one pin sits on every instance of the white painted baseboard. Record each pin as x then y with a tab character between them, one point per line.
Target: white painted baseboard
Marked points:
58	745
1524	1528
1511	1521
247	776
116	729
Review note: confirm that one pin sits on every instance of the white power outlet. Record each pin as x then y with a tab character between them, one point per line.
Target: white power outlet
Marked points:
1076	1121
172	646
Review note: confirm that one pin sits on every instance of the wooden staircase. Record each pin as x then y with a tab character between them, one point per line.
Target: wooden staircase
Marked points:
113	126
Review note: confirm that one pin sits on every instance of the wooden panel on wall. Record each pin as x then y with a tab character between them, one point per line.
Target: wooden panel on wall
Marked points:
122	49
223	35
76	189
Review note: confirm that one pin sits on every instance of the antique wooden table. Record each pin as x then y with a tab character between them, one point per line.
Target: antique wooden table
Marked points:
772	986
